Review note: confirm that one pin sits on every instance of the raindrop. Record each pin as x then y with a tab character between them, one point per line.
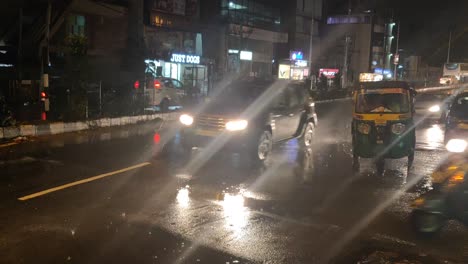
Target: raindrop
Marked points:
198	260
68	258
123	214
155	257
72	232
235	261
149	233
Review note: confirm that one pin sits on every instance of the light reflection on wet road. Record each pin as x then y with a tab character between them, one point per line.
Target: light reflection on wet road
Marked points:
291	211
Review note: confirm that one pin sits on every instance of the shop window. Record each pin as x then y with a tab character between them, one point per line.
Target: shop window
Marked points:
76	25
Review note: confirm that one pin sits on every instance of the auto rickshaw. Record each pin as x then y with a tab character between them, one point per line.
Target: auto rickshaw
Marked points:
382	126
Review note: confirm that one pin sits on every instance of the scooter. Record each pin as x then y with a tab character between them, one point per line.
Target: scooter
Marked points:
449	197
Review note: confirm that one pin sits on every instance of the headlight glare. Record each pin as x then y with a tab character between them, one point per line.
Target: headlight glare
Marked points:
434	109
364	128
456	145
398	128
236	125
186	119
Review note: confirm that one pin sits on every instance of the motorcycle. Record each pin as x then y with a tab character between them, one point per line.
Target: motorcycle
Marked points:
448	200
6	116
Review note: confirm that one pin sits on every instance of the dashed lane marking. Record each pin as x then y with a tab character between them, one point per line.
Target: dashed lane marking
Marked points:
68	185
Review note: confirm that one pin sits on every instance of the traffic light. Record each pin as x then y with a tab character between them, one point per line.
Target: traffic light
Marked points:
136	84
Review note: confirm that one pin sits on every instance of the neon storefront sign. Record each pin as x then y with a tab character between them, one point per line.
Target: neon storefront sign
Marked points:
185	58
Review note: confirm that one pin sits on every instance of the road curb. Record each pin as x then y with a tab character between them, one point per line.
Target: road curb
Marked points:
65	127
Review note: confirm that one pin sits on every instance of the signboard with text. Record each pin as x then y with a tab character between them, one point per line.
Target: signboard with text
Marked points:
329	73
284	71
296	55
185	58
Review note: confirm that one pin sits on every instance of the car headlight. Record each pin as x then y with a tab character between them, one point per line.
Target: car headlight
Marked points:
186	119
434	109
456	145
398	128
364	128
236	125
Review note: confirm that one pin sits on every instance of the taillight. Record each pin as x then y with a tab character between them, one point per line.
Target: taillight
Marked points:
136	84
157	84
43	95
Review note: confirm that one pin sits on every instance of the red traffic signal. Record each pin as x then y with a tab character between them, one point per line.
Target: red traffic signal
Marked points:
136	84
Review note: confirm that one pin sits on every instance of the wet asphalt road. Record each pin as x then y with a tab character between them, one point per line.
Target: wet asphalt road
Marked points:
304	207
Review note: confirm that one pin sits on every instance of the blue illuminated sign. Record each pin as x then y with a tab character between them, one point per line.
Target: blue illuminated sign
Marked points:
296	55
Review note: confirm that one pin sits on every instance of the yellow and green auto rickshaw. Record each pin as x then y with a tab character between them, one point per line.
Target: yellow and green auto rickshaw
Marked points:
382	126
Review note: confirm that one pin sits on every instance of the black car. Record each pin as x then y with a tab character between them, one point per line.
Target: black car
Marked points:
250	116
456	124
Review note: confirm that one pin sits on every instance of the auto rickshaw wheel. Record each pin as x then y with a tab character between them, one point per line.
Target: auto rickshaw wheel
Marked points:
380	164
426	225
356	164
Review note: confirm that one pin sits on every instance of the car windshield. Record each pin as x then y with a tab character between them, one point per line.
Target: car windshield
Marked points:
382	103
241	93
459	107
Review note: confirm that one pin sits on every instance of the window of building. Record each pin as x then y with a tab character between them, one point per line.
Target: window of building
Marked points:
251	13
76	25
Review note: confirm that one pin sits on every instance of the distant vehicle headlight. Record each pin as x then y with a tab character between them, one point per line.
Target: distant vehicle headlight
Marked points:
186	119
364	128
456	145
434	109
236	125
398	128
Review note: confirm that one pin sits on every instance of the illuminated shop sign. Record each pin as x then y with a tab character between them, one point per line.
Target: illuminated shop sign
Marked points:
300	63
246	55
296	55
184	58
329	73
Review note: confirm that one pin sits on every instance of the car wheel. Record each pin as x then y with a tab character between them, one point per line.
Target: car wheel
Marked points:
308	135
164	105
426	224
264	146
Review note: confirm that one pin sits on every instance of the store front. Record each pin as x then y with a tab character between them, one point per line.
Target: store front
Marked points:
186	68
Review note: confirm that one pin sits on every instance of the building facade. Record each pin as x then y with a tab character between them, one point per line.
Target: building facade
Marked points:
358	43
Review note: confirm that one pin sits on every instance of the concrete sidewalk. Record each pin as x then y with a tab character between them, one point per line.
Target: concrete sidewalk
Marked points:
65	127
35	145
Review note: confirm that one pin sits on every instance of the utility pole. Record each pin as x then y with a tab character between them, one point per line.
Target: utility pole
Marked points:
344	76
311	44
449	44
397	55
20	47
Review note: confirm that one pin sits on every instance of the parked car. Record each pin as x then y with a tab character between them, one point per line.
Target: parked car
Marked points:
250	116
163	94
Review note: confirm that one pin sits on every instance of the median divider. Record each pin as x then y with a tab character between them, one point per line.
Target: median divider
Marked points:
65	127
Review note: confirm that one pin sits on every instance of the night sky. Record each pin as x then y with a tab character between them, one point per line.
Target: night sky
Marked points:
425	25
